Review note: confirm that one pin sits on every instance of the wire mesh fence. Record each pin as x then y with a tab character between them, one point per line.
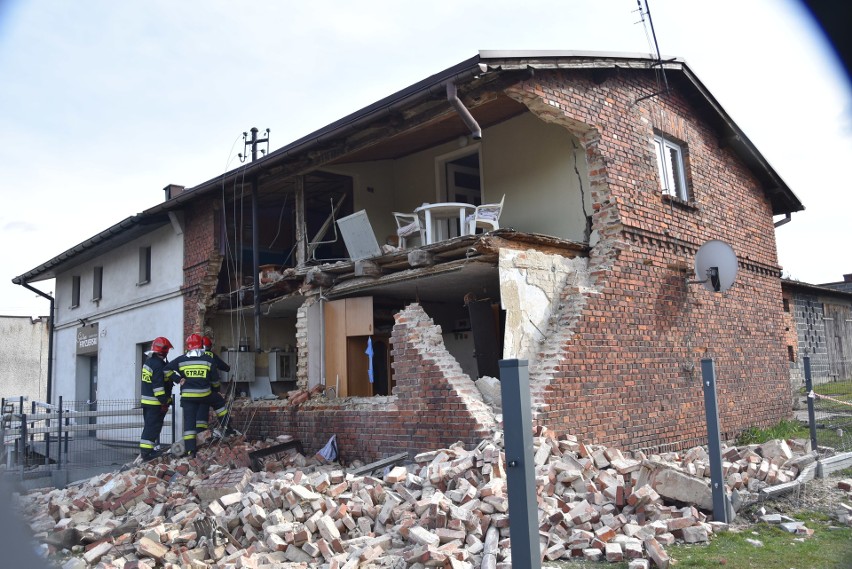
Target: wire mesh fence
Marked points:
41	437
829	400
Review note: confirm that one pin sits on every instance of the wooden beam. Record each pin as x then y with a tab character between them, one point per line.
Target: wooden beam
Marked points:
381	463
301	226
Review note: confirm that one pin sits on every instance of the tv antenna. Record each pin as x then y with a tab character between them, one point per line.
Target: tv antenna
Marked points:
717	263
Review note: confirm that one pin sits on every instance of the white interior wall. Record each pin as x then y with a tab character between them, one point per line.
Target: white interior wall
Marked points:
530	161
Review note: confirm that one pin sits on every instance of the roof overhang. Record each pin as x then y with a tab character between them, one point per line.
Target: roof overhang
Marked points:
815	289
122	232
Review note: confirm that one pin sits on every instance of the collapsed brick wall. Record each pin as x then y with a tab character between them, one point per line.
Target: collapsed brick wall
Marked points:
433	405
620	363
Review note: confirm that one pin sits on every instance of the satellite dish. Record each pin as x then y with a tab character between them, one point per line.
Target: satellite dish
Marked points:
716	266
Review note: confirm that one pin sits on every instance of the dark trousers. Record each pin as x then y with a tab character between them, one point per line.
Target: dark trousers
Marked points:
195	412
153	417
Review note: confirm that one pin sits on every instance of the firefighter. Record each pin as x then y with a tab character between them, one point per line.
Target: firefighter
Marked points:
156	396
220	365
197	373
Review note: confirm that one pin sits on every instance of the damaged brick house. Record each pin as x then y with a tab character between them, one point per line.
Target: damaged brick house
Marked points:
608	182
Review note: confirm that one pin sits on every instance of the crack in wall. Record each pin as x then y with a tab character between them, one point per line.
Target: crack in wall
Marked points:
587	231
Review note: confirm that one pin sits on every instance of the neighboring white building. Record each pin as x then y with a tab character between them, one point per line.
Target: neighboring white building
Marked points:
24	357
115	293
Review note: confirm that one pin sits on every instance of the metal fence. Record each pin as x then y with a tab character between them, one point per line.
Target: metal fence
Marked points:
829	399
39	437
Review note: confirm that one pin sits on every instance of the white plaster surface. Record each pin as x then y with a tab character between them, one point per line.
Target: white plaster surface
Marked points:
531	284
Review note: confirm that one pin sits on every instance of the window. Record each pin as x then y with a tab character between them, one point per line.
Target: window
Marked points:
144	265
670	163
791	354
75	291
97	283
786	304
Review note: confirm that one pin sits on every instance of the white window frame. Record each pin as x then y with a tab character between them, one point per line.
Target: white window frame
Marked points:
671	167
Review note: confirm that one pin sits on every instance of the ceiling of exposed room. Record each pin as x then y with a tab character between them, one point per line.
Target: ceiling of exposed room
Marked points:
444	128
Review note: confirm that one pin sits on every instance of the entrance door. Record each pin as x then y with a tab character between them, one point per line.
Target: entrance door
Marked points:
93	392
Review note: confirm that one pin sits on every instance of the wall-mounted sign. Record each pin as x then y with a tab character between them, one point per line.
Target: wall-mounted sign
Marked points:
87	340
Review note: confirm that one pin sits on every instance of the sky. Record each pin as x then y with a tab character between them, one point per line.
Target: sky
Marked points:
104	103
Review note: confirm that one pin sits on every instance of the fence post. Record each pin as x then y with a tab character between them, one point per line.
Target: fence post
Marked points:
59	438
3	427
22	452
714	441
809	387
520	471
47	412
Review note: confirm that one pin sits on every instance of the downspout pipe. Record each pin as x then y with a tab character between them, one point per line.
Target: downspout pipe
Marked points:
464	113
52	300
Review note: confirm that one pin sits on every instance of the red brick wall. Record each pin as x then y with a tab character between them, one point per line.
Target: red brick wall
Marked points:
433	405
201	263
626	370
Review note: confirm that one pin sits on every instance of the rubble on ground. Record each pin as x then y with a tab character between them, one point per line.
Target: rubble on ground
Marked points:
447	508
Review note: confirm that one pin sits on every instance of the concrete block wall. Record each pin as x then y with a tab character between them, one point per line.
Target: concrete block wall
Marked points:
791	341
810	329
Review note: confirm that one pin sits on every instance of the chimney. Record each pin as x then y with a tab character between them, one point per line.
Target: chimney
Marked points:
847	278
172	191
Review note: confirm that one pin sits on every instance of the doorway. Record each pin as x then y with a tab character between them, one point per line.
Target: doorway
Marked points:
93	392
463	181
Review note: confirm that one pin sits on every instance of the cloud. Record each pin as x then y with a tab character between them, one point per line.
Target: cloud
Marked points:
20	227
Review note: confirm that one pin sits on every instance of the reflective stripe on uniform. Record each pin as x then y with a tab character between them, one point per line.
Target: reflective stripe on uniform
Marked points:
147	400
195	393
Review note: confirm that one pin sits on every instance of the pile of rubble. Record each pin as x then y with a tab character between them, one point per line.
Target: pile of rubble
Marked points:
447	508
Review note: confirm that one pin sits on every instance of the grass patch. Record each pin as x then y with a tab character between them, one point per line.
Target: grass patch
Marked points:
837	389
845	473
783	430
828	548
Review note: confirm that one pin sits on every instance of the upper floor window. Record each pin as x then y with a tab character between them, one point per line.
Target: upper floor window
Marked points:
75	291
670	162
144	265
97	283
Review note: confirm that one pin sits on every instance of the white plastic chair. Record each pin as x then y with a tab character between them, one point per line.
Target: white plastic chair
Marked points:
407	226
486	216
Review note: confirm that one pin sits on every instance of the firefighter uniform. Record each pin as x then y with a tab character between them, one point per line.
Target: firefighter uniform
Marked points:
197	374
218	365
156	396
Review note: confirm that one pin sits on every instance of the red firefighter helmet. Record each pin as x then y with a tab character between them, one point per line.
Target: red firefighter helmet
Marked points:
161	346
194	342
206	342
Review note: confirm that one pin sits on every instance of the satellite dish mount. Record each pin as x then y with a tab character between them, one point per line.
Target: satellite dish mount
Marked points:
717	263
